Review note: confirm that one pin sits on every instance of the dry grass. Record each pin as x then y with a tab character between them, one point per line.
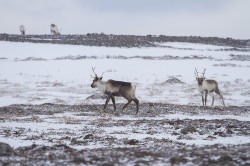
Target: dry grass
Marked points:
61	101
36	118
69	120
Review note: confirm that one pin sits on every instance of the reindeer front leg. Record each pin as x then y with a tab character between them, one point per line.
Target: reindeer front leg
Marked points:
113	101
202	97
107	101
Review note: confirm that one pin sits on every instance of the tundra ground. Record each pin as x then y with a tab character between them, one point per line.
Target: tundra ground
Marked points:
161	134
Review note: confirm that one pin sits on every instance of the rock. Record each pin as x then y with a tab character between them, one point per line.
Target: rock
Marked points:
132	142
220	133
178	160
184	137
97	96
5	149
188	129
173	80
175	133
210	138
89	136
225	159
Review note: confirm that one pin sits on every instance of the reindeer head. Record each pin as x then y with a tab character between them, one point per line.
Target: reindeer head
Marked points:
96	78
200	79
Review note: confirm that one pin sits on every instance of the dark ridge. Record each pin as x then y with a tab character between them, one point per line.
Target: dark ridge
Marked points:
94	39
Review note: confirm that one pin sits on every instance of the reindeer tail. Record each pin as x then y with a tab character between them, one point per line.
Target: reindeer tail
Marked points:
133	87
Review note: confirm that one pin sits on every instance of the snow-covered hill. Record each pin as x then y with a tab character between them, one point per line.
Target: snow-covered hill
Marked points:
37	73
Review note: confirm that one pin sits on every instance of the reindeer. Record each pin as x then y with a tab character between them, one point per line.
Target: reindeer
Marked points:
115	88
54	30
207	87
22	29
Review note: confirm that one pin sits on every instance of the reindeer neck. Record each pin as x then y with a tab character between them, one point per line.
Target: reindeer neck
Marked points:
101	85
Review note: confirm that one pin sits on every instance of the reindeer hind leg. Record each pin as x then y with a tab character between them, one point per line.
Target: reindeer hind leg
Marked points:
137	105
222	100
206	92
212	95
217	91
129	101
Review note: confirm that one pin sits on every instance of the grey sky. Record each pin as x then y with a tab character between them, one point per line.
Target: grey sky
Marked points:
222	18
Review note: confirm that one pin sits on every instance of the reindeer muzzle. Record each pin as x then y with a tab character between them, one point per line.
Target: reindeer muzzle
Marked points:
200	83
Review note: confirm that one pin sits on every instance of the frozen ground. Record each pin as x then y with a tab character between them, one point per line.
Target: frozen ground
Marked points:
47	117
161	134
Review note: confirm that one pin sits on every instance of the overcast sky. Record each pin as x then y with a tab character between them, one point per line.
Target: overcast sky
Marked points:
221	18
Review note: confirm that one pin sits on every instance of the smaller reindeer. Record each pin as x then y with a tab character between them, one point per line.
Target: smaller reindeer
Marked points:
54	30
207	87
115	88
22	29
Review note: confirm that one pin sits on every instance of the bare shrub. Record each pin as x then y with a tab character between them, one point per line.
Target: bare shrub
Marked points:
227	65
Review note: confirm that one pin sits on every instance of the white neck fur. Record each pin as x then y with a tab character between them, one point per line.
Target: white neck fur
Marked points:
101	85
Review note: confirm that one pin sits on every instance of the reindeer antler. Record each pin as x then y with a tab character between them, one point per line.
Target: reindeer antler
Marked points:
93	69
203	72
196	73
102	74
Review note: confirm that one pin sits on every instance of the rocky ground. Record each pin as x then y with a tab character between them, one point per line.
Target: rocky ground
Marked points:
94	39
161	134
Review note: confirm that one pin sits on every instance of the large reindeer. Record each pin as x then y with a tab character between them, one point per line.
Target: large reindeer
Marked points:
54	30
115	88
22	29
207	87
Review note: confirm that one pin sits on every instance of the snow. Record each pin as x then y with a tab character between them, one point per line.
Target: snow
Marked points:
68	82
58	123
222	140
